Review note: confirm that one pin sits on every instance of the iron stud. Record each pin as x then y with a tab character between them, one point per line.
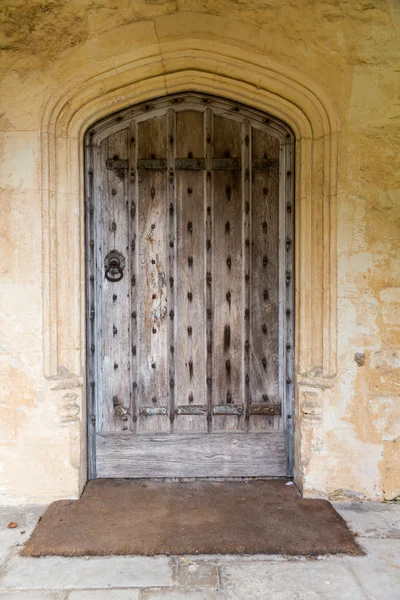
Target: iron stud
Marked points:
115	366
189	330
190	227
171	314
266	295
228	364
229	397
115	330
190	296
264	328
153	365
229	262
190	261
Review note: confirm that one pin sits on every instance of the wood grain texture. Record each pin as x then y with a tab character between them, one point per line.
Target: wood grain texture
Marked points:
192	455
191	312
152	278
227	277
113	297
264	320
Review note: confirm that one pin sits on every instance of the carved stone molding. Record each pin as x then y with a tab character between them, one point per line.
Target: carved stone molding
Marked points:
210	67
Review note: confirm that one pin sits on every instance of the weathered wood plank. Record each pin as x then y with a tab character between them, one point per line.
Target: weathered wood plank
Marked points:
114	296
264	323
153	266
227	277
191	313
192	455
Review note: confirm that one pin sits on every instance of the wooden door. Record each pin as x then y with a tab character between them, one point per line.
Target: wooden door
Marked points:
189	228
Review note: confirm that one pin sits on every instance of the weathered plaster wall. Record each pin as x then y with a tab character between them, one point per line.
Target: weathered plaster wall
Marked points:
348	425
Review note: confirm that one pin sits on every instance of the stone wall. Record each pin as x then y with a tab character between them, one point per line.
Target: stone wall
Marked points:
54	56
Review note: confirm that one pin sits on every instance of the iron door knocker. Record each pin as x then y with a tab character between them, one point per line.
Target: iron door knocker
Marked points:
114	264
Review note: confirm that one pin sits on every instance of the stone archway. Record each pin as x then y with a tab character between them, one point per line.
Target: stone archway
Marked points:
213	68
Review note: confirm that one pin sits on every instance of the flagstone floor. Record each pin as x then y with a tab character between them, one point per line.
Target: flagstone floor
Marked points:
375	576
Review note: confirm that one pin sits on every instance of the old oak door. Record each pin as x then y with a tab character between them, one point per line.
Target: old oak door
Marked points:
189	227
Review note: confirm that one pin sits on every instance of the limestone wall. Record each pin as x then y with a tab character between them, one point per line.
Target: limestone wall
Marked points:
348	420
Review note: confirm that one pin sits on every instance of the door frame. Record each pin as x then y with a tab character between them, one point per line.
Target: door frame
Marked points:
277	129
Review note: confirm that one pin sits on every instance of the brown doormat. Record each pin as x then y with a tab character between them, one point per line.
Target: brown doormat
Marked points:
148	518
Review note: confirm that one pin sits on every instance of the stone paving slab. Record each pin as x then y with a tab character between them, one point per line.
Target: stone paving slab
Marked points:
370	519
185	594
74	573
379	571
32	595
26	517
104	595
329	579
197	574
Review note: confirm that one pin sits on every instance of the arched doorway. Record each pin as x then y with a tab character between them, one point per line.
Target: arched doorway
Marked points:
189	229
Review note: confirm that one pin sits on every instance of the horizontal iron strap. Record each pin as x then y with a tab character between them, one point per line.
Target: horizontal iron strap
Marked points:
152	164
149	411
191	409
194	164
228	409
190	164
264	409
116	163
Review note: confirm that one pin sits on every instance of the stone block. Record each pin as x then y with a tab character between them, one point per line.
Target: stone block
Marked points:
75	573
193	574
379	570
371	519
328	579
104	595
184	594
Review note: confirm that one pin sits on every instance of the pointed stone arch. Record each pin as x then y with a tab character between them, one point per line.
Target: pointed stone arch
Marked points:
214	68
